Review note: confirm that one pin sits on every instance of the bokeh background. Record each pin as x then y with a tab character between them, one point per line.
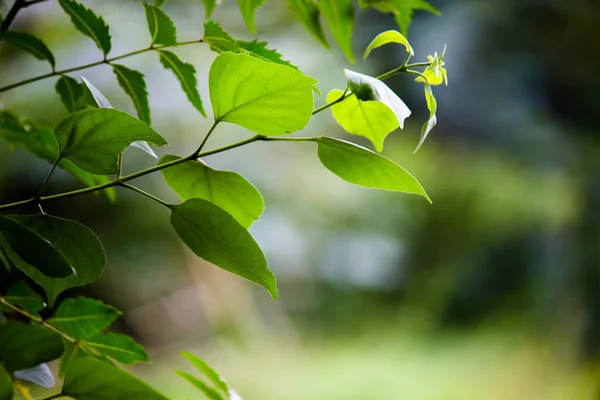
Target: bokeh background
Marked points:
492	292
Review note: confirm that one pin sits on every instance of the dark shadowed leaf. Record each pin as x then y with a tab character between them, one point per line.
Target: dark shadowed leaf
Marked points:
6	386
69	91
88	23
248	9
40	375
361	166
210	392
186	74
228	190
207	370
90	379
217	237
161	28
120	348
82	318
308	14
339	15
24	297
133	84
29	43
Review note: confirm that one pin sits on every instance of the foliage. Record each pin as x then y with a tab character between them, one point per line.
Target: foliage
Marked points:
250	85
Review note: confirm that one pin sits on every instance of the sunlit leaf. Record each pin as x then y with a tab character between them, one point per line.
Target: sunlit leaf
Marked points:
186	74
248	9
69	91
133	84
82	318
6	386
90	379
24	297
432	106
435	72
339	15
371	119
402	9
218	40
208	391
367	88
40	375
94	138
29	43
266	98
228	190
78	245
88	23
217	237
120	348
260	50
161	28
360	166
308	14
386	38
209	6
207	371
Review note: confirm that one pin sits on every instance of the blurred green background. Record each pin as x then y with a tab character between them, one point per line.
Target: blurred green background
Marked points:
492	292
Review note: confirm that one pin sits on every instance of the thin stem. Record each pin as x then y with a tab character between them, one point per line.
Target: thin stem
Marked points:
93	64
32	2
120	171
148	195
54	396
45	183
210	131
326	106
410	71
12	13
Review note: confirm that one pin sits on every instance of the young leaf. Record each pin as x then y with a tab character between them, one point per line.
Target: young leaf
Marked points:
6	386
339	15
361	166
82	318
25	346
94	138
186	74
217	237
371	119
209	6
218	40
133	84
69	91
90	379
40	375
260	50
228	190
308	14
78	245
388	37
432	106
88	23
367	88
26	249
435	72
210	392
267	98
120	348
29	43
206	369
402	9
248	9
23	296
161	28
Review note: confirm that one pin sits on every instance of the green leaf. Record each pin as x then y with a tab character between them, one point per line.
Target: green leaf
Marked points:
69	91
160	3
432	106
209	6
371	119
29	43
71	352
26	249
266	98
260	50
402	9
186	74
248	9
133	84
94	138
90	379
388	37
120	348
367	88
339	15
361	166
206	369
78	245
228	190
161	28
82	318
218	40
88	23
25	346
308	14
217	237
435	72
6	386
209	392
24	297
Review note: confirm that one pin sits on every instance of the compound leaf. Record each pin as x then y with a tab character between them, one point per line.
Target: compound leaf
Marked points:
209	6
260	51
82	318
161	28
24	297
308	14
88	23
29	43
69	91
248	9
133	84
207	370
339	15
120	348
218	40
186	74
210	392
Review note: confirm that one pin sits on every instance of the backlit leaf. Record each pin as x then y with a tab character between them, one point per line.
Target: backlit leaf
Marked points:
432	106
210	392
209	6
228	190
266	98
402	9
218	40
248	9
339	15
435	72
94	138
24	297
161	28
371	119
88	23
69	91
361	166
207	370
29	43
308	14
260	50
82	318
133	84
386	38
120	348
217	237
186	74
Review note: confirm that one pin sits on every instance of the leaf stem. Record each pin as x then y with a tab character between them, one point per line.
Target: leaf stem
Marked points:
326	106
93	64
144	193
54	396
210	131
45	183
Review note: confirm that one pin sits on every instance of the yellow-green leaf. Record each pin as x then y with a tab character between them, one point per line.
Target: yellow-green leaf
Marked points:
248	9
308	14
388	37
432	106
186	74
339	15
